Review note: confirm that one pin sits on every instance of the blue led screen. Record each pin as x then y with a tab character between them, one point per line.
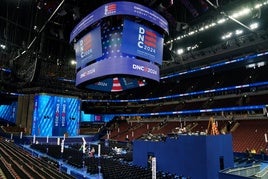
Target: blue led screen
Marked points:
115	71
95	118
120	8
88	48
111	54
141	41
116	66
116	84
87	117
9	112
55	115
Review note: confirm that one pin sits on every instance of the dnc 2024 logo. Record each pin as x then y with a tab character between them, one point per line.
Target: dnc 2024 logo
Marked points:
147	40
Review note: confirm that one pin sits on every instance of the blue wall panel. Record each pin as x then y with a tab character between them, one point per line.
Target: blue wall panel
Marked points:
216	148
193	156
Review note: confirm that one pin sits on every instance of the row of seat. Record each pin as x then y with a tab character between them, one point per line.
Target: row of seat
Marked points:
25	165
110	165
246	133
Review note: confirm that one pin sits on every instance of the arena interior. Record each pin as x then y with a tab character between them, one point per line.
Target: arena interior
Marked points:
193	105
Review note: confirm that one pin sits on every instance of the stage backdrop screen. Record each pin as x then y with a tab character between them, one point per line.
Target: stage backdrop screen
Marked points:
55	115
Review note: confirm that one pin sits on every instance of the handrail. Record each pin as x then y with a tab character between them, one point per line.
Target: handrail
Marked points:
262	172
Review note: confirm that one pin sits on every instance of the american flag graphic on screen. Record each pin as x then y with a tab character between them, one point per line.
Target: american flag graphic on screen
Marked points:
116	85
150	39
110	9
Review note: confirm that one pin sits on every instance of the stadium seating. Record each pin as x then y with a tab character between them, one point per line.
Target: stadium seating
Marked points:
19	163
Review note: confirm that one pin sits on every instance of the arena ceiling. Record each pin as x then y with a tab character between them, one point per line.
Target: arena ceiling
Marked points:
34	37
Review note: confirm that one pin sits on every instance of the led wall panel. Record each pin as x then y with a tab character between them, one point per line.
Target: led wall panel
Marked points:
88	48
120	8
55	115
141	41
9	112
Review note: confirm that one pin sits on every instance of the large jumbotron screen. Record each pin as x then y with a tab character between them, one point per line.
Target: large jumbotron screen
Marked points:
118	56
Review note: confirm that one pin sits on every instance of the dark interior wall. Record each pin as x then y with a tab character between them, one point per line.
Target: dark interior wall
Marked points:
25	112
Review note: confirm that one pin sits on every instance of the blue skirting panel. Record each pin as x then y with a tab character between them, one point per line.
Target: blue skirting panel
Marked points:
199	157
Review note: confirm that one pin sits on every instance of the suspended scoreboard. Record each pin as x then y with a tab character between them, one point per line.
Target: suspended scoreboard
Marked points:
118	46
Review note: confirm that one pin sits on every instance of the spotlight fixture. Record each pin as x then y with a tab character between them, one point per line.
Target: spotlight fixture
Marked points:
180	51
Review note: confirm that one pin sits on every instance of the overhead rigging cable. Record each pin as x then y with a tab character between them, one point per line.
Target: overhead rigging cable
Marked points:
225	14
42	28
